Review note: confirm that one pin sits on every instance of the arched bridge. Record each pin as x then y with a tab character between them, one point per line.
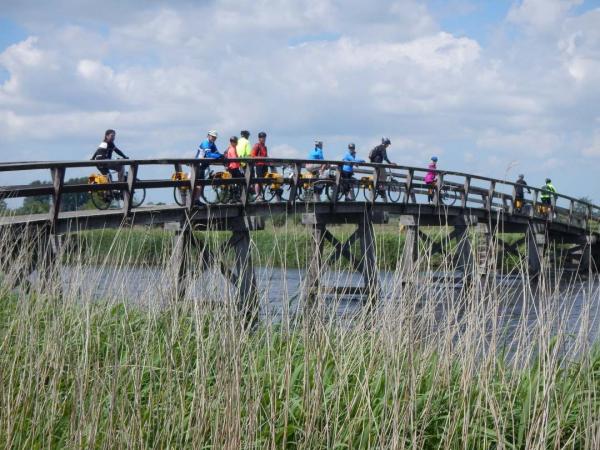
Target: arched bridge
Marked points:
465	202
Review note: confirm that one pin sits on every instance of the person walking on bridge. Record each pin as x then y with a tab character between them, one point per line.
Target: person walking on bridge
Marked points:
233	167
348	171
260	167
431	178
243	148
520	186
548	192
206	150
316	168
105	151
378	155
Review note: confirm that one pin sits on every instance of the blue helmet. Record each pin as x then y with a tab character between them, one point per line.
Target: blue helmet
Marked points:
434	158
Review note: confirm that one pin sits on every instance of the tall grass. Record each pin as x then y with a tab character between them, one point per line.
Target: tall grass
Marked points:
96	350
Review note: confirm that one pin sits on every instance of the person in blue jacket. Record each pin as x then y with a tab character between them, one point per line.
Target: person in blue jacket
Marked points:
207	149
348	171
316	168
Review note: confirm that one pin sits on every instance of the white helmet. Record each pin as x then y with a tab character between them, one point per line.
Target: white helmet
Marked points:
213	133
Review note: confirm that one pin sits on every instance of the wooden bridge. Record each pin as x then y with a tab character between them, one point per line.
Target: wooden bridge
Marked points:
465	202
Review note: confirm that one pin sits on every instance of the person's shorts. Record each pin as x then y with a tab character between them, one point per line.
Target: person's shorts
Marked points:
235	173
547	201
260	171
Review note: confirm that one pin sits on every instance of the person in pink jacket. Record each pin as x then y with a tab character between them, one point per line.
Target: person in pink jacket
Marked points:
431	177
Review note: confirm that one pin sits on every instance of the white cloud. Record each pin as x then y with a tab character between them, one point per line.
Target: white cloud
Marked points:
541	15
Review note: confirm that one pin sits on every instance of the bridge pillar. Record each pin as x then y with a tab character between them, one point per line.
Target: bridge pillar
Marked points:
536	240
368	252
313	272
365	263
464	252
410	253
246	282
181	257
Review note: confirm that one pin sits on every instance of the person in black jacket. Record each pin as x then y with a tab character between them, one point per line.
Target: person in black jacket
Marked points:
520	186
105	151
378	155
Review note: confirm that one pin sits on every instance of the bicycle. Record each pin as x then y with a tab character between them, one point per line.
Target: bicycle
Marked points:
448	194
392	187
308	188
276	187
180	193
103	199
224	193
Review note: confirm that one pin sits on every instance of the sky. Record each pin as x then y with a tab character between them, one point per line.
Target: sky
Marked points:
496	87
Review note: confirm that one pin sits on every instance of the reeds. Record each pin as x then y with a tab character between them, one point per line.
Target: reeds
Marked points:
96	350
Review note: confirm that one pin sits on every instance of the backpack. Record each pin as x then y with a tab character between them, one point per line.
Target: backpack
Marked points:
374	153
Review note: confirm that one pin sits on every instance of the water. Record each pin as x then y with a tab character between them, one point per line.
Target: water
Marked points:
569	306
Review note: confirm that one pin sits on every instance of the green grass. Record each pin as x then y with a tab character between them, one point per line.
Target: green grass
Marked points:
112	376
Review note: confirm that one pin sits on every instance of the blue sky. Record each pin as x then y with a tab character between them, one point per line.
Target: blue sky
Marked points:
493	87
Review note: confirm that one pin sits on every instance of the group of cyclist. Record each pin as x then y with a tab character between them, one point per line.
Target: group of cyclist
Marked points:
241	148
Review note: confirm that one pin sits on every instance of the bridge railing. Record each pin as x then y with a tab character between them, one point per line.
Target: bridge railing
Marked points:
205	179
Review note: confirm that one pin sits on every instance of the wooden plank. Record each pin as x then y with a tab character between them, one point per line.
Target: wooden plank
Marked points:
58	178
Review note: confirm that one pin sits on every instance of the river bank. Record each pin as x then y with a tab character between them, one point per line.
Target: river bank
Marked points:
281	247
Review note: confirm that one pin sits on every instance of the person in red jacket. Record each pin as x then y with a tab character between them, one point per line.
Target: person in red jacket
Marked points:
260	167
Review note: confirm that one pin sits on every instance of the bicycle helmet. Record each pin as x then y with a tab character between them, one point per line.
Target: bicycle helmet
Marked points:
233	139
351	146
213	133
245	133
262	134
385	141
319	143
521	176
548	180
434	158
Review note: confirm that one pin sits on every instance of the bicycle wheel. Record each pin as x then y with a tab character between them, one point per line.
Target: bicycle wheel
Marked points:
370	193
394	190
180	196
139	195
102	199
325	187
448	195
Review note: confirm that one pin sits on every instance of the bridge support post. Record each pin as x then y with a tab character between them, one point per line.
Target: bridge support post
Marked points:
410	253
464	252
369	266
313	273
535	239
182	245
245	280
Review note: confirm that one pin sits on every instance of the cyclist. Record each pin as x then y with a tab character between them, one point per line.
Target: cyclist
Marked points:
431	178
316	168
548	191
207	149
260	167
244	149
520	186
348	171
105	151
378	155
233	167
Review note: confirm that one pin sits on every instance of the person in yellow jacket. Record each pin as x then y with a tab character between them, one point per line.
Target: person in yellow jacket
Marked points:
243	147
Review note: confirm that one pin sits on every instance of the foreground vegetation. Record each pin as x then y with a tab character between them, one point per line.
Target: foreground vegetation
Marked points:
430	368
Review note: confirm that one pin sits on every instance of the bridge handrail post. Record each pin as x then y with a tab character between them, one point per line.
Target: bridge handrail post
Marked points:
58	179
375	184
534	204
511	208
438	187
571	210
490	196
409	182
128	194
245	196
336	187
466	189
190	199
